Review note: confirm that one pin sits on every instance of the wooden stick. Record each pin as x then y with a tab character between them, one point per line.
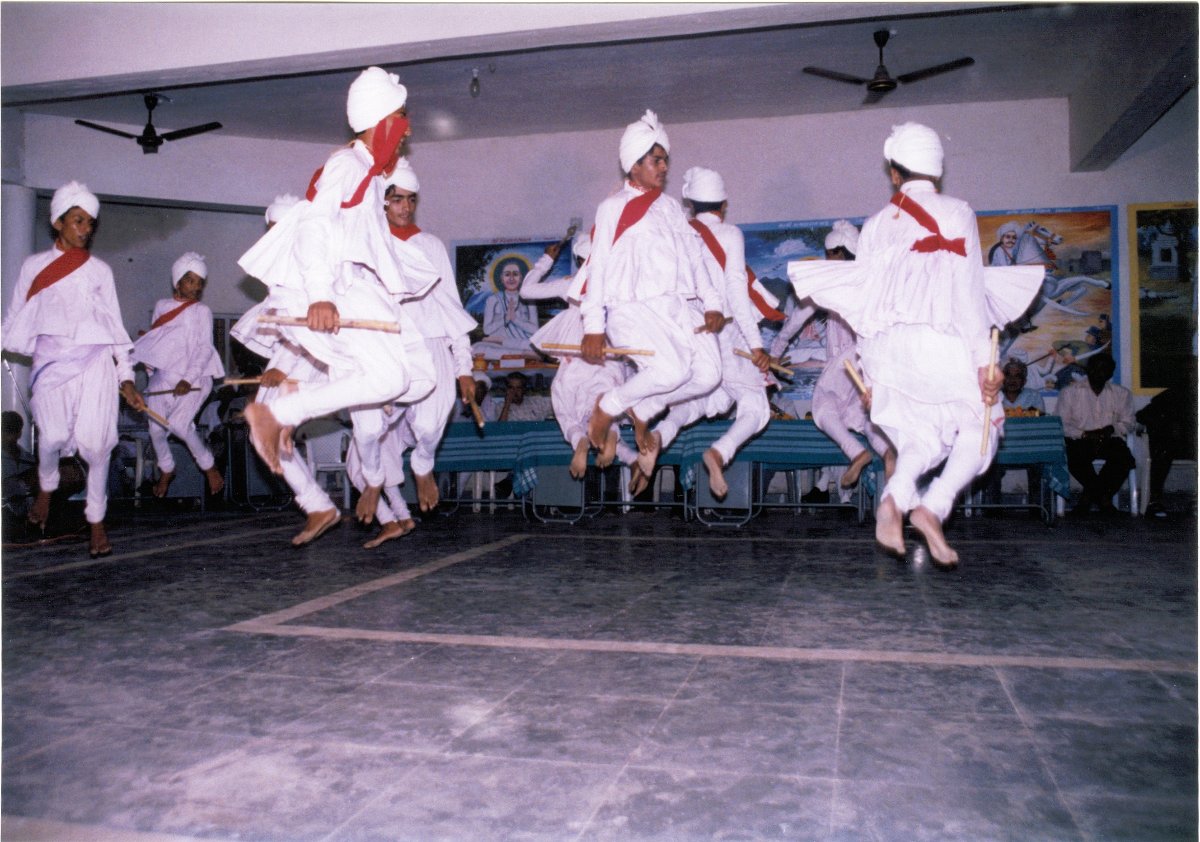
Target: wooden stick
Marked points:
169	391
773	366
155	416
704	328
250	381
360	324
617	352
861	386
477	412
987	408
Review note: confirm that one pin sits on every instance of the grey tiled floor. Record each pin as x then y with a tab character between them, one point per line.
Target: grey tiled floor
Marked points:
625	678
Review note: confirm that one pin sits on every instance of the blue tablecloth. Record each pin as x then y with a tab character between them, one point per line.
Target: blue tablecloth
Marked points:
1037	442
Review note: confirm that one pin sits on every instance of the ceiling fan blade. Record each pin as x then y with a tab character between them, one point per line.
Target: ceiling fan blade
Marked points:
101	128
873	97
917	75
194	130
834	75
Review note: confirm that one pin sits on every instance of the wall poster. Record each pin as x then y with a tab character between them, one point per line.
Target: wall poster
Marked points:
1162	298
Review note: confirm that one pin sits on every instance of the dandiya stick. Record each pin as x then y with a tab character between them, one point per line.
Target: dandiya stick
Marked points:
773	366
619	352
169	391
475	410
251	381
360	324
154	415
861	386
987	413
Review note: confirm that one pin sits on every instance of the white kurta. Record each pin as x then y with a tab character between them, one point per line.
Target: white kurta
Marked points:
922	320
639	291
80	349
181	349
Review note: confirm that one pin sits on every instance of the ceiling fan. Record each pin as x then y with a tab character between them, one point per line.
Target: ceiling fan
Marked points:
882	82
149	139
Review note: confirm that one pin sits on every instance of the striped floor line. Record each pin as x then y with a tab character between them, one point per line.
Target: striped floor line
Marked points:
280	623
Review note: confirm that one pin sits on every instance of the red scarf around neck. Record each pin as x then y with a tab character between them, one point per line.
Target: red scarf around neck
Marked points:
171	314
714	246
404	232
633	211
385	152
58	268
935	241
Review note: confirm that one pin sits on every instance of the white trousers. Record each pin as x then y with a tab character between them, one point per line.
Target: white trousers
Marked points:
428	417
574	390
180	412
310	496
685	365
78	414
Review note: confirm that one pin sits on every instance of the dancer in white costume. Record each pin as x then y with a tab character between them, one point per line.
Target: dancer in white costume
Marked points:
178	351
288	361
649	287
918	300
576	384
333	253
744	381
445	325
65	315
838	409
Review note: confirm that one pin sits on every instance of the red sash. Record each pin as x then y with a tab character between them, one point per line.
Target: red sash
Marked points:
58	268
382	144
404	231
760	303
633	211
934	242
171	314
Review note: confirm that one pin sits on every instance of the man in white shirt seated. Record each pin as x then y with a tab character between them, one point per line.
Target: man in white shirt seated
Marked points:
1097	414
519	406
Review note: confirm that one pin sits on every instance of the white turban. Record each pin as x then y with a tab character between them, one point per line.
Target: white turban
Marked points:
640	137
703	185
190	262
581	246
280	206
73	195
1009	228
843	234
915	147
374	95
481	377
404	177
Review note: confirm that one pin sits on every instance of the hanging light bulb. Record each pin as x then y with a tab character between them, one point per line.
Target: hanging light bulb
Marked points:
474	88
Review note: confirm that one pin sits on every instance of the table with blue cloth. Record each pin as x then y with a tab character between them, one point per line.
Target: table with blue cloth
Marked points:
1036	443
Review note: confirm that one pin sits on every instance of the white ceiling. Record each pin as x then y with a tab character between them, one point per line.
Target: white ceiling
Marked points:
1080	51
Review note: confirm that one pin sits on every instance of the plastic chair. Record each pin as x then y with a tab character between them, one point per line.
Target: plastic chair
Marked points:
326	443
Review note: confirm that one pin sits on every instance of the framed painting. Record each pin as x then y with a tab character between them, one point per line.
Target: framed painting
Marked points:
1074	315
1162	296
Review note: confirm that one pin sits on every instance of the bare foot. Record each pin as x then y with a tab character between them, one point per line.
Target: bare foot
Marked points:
716	473
578	465
856	466
427	492
318	524
265	434
609	452
648	457
598	425
98	545
39	512
216	482
389	531
889	526
930	526
889	463
164	483
638	482
368	501
641	432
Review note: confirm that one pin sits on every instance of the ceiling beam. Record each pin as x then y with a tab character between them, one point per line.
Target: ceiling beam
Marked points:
1132	83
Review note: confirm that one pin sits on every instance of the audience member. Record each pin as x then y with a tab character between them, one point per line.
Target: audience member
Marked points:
1170	421
1096	416
520	406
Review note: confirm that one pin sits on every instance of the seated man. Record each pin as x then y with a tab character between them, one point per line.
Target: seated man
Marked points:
1096	416
519	406
1019	400
1170	421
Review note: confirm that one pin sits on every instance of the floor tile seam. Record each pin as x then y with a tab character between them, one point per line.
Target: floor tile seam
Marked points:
393	788
138	554
322	603
794	654
45	828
